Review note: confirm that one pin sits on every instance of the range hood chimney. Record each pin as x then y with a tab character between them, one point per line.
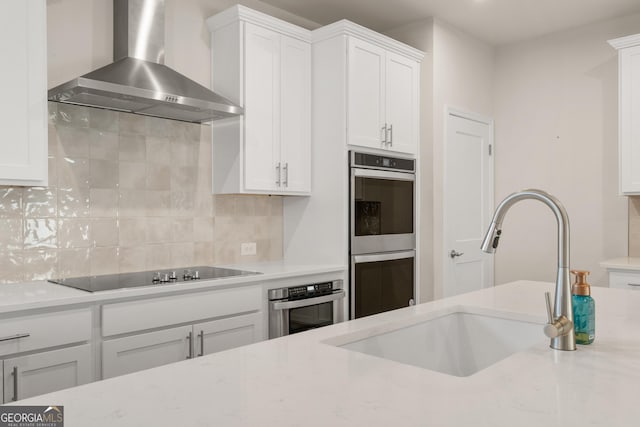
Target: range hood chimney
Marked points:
138	81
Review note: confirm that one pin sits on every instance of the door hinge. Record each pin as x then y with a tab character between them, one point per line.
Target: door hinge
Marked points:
490	149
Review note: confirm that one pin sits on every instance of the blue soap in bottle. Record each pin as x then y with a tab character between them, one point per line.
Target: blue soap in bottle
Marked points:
584	309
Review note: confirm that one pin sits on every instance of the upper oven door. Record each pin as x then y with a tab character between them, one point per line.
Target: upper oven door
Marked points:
382	206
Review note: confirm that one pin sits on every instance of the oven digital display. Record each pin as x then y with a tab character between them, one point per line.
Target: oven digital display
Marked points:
311	288
386	162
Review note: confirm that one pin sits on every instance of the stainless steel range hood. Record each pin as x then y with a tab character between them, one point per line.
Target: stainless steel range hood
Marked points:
138	81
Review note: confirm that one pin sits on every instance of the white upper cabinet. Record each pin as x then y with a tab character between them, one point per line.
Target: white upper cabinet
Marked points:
629	111
264	65
382	86
23	84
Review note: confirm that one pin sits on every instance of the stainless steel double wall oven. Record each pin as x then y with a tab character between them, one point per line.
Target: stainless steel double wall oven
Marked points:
382	227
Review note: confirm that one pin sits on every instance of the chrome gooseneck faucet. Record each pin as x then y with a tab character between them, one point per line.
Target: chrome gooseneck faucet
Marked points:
560	325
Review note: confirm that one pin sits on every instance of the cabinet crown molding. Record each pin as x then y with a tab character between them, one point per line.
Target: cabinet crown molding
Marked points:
245	14
348	28
627	41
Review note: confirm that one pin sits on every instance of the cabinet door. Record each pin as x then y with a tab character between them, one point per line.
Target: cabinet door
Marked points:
23	112
124	355
262	109
40	373
365	94
629	123
295	117
219	335
403	102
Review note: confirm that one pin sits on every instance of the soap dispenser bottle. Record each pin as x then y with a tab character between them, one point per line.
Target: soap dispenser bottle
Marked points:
584	309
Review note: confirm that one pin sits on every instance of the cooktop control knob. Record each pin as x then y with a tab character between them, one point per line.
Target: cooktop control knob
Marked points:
187	275
196	275
164	278
156	277
173	276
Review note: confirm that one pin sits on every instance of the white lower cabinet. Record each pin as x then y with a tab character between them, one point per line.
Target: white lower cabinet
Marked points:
624	280
149	350
45	372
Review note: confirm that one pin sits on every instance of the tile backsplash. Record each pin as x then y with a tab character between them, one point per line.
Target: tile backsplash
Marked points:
128	193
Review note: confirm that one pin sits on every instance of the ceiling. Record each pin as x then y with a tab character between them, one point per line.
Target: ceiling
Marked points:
493	21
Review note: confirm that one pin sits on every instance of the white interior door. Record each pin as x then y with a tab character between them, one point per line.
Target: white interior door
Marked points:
468	202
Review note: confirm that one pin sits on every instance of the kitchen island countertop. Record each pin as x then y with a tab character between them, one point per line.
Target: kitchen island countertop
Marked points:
301	380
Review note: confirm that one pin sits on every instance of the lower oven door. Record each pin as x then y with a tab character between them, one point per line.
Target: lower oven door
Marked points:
381	282
292	316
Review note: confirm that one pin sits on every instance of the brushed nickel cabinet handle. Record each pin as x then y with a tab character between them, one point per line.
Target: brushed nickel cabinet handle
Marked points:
634	284
383	137
390	141
278	174
201	335
190	341
286	175
15	384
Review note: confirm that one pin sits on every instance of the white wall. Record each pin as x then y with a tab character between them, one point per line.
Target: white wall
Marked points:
556	129
80	35
458	71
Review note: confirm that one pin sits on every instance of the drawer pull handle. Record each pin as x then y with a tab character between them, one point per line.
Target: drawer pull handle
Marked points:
15	384
634	284
201	343
15	337
190	340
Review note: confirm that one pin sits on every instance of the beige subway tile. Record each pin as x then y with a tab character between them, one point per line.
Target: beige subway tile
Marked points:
73	262
105	232
73	173
158	203
104	120
203	204
73	202
73	142
133	175
133	148
276	205
72	115
225	205
226	254
158	127
132	259
158	177
103	145
40	265
246	205
132	232
159	230
184	153
40	202
182	229
182	203
11	234
132	203
181	254
104	260
158	151
132	124
158	257
103	202
104	174
12	266
204	253
203	229
74	233
184	178
10	201
40	233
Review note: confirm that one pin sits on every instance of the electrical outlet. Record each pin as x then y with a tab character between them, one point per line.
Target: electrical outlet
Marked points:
248	248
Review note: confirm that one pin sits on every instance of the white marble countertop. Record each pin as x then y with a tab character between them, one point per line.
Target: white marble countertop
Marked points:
300	380
624	263
42	294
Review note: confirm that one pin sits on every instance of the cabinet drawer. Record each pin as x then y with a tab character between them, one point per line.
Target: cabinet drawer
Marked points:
26	333
132	316
624	280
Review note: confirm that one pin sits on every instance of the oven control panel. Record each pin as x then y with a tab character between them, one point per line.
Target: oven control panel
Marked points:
306	291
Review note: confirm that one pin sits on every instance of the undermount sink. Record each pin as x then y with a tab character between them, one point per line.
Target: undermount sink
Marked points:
458	343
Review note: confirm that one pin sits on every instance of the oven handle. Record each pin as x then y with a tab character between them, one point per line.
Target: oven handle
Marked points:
307	302
372	173
358	259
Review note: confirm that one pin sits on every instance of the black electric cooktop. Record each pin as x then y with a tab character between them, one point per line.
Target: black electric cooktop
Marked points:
149	278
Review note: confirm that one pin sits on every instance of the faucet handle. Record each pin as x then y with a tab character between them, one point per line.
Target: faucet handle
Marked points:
547	296
555	327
